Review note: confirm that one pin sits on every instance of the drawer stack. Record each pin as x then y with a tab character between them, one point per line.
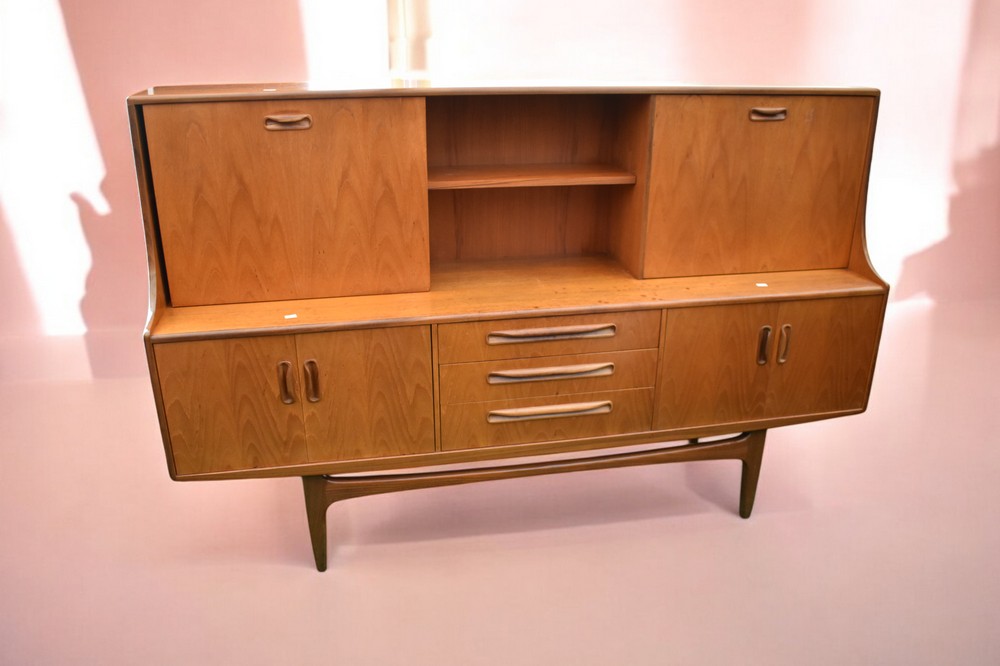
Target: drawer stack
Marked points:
546	378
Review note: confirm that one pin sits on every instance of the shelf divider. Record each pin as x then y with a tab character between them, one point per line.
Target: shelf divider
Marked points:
526	175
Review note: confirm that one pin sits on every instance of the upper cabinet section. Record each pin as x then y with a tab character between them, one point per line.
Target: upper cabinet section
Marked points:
255	196
282	199
753	183
532	175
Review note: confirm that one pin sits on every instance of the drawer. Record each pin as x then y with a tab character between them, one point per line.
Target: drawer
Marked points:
550	375
496	423
548	336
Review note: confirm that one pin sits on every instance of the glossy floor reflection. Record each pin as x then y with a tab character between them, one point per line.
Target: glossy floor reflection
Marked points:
874	539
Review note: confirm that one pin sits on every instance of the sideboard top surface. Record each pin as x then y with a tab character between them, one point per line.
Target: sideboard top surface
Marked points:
251	91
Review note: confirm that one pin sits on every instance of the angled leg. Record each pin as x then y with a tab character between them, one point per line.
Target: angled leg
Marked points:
316	506
751	471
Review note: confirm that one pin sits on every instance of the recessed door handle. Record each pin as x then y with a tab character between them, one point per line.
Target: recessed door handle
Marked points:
784	341
554	333
549	411
284	390
763	344
582	371
767	113
288	121
311	368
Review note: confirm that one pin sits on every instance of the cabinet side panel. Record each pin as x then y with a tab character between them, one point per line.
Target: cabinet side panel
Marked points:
223	404
627	214
251	214
374	393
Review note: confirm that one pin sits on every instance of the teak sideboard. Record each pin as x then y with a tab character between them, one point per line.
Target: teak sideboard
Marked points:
359	287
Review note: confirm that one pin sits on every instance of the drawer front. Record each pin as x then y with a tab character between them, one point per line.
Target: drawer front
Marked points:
548	336
286	199
501	422
549	375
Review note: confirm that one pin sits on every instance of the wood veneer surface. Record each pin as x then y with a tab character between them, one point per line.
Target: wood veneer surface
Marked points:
248	214
734	195
472	290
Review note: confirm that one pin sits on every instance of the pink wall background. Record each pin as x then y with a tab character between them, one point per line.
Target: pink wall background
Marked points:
933	206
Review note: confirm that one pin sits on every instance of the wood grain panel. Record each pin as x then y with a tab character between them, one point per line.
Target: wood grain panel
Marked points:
487	224
550	375
465	426
520	129
515	288
709	372
731	195
223	404
829	356
375	393
468	341
248	214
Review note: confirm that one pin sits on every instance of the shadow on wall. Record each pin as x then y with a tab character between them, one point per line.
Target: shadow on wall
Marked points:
120	48
966	264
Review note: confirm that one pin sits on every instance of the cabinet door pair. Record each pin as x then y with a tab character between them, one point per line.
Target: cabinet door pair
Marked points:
737	363
250	403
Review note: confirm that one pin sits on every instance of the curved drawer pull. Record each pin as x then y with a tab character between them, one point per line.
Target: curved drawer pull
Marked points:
764	113
288	121
583	371
285	392
549	412
581	332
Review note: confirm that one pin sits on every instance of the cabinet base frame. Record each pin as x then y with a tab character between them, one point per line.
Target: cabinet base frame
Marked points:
322	491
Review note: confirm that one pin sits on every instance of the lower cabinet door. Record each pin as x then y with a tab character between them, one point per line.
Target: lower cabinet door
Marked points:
823	354
740	363
367	393
231	404
710	372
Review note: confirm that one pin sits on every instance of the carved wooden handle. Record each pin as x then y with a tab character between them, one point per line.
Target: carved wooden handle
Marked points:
287	396
549	411
784	340
764	113
554	333
551	374
763	343
312	380
288	121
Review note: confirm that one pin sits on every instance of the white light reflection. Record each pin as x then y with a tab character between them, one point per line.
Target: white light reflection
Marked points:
48	151
347	44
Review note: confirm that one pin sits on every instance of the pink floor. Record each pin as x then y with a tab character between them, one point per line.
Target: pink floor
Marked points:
874	539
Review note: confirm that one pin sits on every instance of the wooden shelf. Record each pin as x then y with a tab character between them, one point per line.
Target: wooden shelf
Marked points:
527	175
463	291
